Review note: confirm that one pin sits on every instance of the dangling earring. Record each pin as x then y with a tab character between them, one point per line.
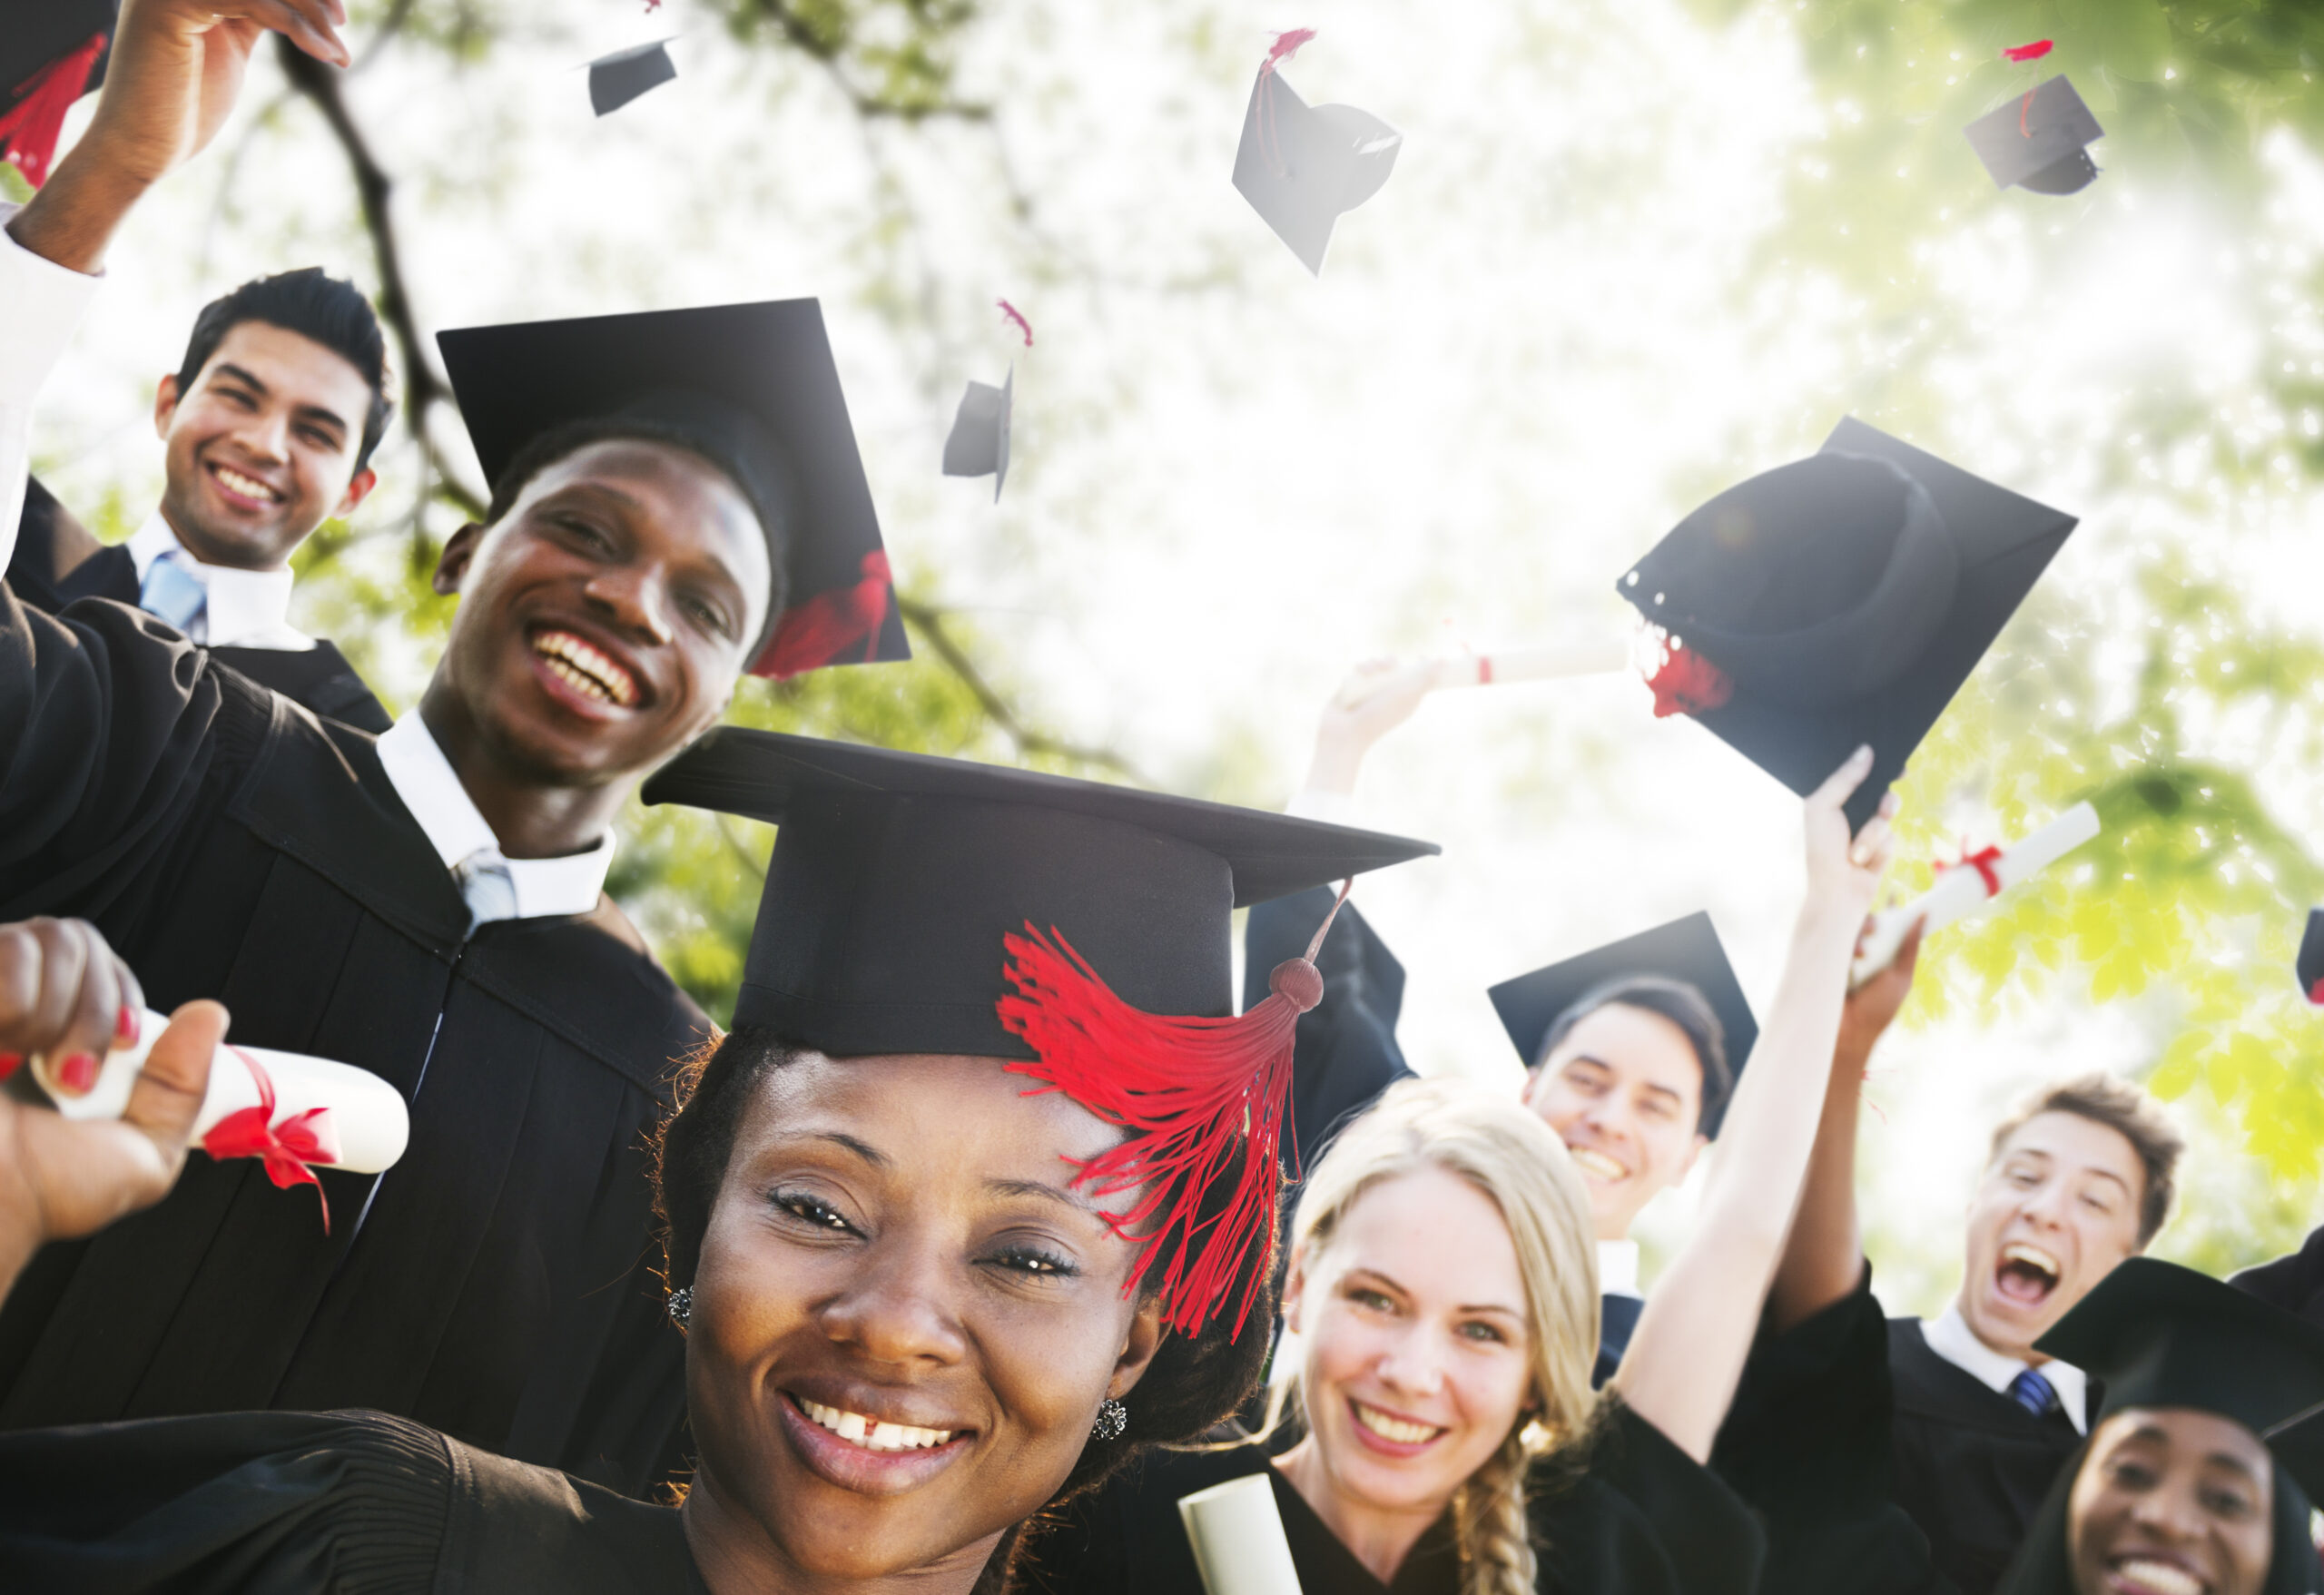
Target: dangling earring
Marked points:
1112	1419
682	1305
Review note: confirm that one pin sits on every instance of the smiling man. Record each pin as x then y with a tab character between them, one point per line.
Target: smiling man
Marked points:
428	904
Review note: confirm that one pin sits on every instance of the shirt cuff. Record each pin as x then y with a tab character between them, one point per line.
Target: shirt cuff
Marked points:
1333	808
46	303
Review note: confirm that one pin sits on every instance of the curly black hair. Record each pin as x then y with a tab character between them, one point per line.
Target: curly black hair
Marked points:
1194	1383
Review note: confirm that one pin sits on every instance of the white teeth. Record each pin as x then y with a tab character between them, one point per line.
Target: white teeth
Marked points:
1395	1429
2032	1257
584	667
1592	1161
871	1433
2160	1577
248	487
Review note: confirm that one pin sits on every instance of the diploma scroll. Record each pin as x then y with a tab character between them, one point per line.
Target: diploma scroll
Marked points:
1539	661
1238	1539
1966	888
366	1116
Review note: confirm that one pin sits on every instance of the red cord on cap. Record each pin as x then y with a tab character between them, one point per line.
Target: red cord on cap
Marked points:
30	128
2033	52
1192	1092
1018	316
286	1148
810	636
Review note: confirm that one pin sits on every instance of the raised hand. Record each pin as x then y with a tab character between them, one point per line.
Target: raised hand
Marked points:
1377	696
1844	871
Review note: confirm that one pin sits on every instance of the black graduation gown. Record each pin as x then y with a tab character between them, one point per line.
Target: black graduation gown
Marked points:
1637	1516
49	570
228	844
283	1504
1617	1317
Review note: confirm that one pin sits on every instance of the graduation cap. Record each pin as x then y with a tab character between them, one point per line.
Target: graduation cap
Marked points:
2310	965
979	444
2038	141
1687	950
617	79
1079	931
1837	601
1301	165
753	387
50	55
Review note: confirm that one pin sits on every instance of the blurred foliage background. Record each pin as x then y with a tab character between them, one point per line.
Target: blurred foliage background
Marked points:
1634	249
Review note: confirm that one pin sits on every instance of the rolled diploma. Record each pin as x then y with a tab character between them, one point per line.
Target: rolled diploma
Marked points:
367	1114
1237	1536
1960	890
1538	662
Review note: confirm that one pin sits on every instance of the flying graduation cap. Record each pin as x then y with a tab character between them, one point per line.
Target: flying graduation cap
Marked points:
751	386
2039	141
979	443
617	79
1078	932
1302	165
51	54
2310	965
1837	601
1687	950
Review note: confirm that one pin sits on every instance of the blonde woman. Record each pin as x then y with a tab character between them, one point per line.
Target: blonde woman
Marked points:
1434	1433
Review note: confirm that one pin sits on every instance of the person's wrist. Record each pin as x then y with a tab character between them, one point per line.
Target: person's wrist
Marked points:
1332	766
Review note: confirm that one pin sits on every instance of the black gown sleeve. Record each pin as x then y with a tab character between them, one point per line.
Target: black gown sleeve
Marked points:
1633	1514
264	1502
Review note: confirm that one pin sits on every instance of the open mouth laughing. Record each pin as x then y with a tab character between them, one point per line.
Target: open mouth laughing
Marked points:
2027	1273
2142	1573
1599	1167
243	491
586	670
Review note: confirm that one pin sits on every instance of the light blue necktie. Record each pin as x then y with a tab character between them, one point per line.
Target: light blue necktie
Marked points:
173	594
489	890
2035	1393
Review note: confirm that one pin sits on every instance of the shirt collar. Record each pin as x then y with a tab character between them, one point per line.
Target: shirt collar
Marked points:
245	608
1951	1337
429	787
1618	1268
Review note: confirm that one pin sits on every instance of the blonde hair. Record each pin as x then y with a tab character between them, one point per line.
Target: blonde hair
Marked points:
1511	1155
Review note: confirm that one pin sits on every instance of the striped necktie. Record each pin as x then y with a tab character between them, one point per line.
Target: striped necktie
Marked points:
2035	1393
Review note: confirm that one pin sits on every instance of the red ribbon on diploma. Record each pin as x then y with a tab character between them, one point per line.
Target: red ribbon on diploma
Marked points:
287	1147
1983	861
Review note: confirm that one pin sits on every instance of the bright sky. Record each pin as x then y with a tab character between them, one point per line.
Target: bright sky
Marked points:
1524	360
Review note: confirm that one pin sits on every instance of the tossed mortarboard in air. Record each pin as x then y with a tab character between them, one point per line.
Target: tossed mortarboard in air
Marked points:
979	443
753	387
1687	950
2038	141
1302	165
1081	932
2310	965
1837	601
617	79
51	53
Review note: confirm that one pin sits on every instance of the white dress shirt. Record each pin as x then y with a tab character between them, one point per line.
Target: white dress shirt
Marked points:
424	779
1618	1269
1951	1337
245	609
44	304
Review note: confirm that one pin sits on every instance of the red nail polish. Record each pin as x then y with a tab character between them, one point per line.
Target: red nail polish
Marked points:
78	1073
9	1063
124	1030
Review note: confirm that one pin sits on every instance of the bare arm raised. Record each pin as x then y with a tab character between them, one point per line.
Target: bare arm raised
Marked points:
1687	1354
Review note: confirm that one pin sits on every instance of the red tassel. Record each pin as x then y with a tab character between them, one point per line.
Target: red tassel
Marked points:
285	1149
1684	682
810	636
1191	1092
30	128
2315	994
2033	52
1287	44
1018	316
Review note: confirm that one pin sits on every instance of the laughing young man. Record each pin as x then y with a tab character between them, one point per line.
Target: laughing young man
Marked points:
427	904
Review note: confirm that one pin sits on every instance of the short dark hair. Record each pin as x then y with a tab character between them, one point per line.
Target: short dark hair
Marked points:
1193	1383
316	306
1679	1001
2129	1112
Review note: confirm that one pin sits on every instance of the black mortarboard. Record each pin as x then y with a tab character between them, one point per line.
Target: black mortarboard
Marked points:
69	36
2310	965
1687	951
617	79
2037	141
1301	165
896	875
753	387
979	444
1837	601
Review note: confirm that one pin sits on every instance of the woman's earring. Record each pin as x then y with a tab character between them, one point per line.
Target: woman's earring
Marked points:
682	1305
1112	1419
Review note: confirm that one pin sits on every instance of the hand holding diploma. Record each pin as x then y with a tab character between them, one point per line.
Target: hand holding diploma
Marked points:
1238	1539
1966	888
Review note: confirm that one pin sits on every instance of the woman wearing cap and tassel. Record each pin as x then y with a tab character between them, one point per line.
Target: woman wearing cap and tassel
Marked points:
953	1234
1437	1428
